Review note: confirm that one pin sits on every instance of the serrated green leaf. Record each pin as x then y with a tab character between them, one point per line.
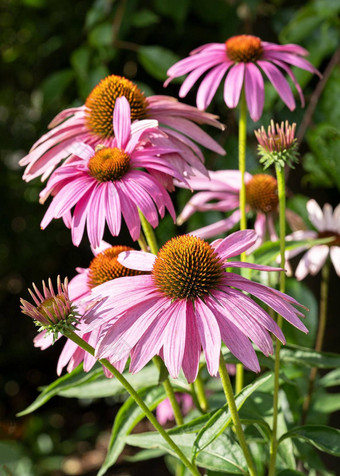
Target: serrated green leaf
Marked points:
224	454
126	419
157	60
221	419
324	438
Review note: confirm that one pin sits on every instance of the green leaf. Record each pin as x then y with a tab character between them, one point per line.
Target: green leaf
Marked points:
126	419
221	419
101	36
157	60
324	438
104	387
332	379
289	472
269	251
224	454
309	357
54	86
74	378
176	9
145	455
144	18
326	403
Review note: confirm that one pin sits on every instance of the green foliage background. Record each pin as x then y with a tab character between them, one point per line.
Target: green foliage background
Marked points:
52	54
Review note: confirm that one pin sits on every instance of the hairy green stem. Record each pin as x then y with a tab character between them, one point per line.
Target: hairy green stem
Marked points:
242	145
228	391
319	337
149	234
281	188
201	396
153	420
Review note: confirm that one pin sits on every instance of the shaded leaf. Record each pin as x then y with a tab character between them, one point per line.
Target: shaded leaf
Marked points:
157	60
325	438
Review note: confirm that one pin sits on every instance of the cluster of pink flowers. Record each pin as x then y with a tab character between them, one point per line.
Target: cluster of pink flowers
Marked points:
119	156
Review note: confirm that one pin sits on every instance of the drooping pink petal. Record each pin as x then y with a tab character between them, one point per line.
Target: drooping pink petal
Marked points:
315	215
129	211
210	335
209	85
218	227
254	89
113	209
279	82
233	85
174	338
96	215
82	150
80	216
192	350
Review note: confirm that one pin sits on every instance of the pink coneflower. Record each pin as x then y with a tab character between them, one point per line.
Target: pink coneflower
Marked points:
92	124
164	411
106	183
221	193
327	224
189	302
104	267
244	58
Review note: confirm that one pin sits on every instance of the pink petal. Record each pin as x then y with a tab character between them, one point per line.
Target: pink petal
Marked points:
233	85
80	216
279	82
113	209
138	260
121	122
254	89
129	210
335	257
209	85
236	243
209	334
174	338
96	215
218	227
192	350
312	261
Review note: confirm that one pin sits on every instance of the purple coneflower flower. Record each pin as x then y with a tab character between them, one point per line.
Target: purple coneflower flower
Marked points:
221	193
189	302
327	224
108	182
104	267
92	124
243	58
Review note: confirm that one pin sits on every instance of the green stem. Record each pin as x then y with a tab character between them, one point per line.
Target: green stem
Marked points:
142	243
319	337
153	420
280	174
149	234
228	391
242	145
201	396
169	392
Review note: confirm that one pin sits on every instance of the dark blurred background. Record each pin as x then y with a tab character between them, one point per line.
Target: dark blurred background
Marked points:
52	54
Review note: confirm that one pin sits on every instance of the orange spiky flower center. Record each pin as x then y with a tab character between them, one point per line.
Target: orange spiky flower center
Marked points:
244	48
108	164
187	267
101	102
105	266
261	193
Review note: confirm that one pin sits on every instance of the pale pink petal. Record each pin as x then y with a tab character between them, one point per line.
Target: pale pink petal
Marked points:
138	260
103	245
312	261
335	257
69	348
315	215
129	210
82	150
233	85
80	216
113	209
96	215
43	340
191	79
